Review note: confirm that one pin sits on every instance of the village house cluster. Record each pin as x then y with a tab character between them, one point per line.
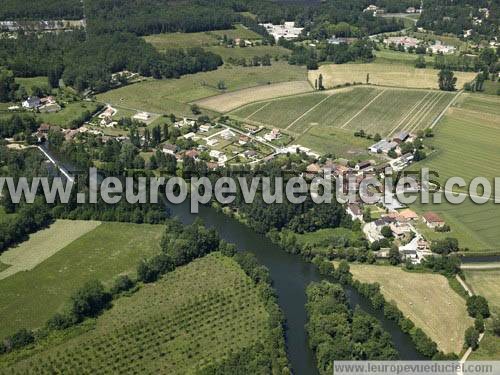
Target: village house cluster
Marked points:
384	146
286	31
408	42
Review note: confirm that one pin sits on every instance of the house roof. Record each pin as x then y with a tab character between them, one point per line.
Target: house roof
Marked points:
402	135
169	146
313	168
364	164
408	214
355	209
432	217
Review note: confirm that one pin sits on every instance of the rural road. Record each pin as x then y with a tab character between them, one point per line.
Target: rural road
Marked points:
491	266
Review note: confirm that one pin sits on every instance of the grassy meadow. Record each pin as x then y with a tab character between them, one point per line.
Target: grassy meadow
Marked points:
174	95
29	83
165	41
383	74
466	143
71	111
28	299
486	283
426	299
249	52
195	316
43	244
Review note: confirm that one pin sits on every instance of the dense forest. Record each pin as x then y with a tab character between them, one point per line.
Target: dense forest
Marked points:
88	62
154	17
41	10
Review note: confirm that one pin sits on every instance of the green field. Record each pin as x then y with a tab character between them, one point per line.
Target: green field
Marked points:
383	111
103	253
486	283
197	315
43	244
173	95
387	56
249	52
71	111
466	142
326	121
202	39
29	83
321	239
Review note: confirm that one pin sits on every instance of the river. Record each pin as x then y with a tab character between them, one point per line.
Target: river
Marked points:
290	274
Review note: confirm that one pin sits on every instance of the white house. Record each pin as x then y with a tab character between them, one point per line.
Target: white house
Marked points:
204	128
32	102
212	141
142	116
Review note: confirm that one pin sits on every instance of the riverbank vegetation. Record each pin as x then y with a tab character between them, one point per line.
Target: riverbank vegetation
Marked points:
335	332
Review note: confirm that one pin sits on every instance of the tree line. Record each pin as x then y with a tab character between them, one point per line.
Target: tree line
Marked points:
41	10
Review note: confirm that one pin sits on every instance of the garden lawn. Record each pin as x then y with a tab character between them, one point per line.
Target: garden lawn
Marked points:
194	316
28	299
426	299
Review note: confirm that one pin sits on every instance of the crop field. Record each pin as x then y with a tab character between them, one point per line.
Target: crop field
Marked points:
426	299
384	74
466	142
231	100
383	111
43	244
174	95
192	317
202	39
102	253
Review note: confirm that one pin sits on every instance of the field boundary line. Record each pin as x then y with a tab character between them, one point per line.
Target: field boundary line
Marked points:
257	111
418	115
362	109
415	117
408	114
452	101
427	112
308	111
